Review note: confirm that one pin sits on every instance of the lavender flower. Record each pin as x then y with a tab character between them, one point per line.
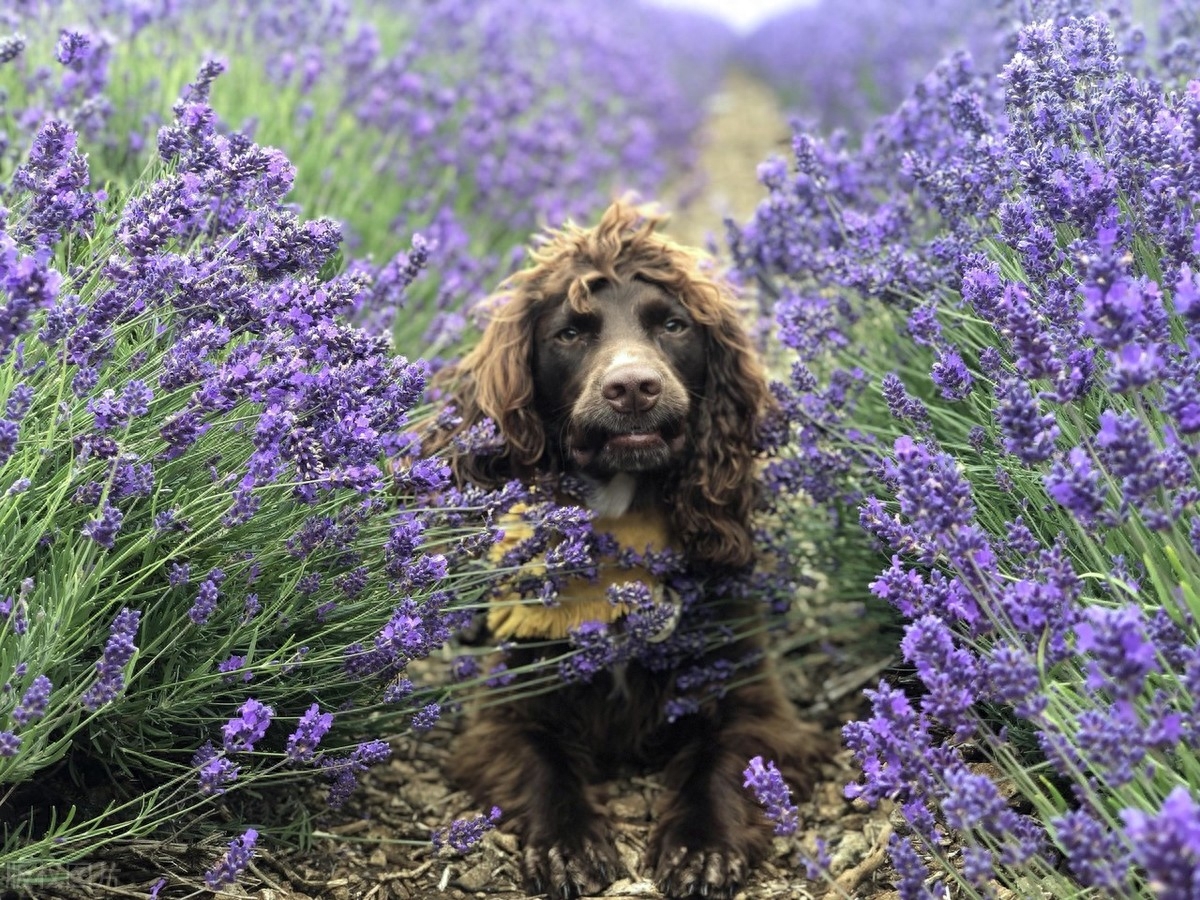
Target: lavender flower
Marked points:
951	376
902	404
15	613
214	770
56	175
464	668
206	598
1011	675
463	834
344	771
1028	433
1167	844
773	794
234	862
1094	851
19	400
33	704
179	574
244	730
110	669
597	649
9	743
912	872
72	47
104	529
230	667
302	743
1122	656
934	497
1076	485
11	47
950	673
9	434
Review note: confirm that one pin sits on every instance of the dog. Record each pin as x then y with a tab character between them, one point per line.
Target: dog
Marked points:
616	361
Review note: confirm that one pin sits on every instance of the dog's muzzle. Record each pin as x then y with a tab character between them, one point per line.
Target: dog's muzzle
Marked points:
631	418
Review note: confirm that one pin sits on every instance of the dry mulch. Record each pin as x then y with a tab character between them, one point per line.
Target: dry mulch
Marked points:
378	848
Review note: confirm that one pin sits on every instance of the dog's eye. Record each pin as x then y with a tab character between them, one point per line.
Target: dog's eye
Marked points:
675	325
568	334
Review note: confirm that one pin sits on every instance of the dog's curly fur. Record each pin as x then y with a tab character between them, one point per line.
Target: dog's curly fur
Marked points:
536	757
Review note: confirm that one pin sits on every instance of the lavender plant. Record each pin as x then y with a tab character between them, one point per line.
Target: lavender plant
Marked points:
211	580
222	542
989	311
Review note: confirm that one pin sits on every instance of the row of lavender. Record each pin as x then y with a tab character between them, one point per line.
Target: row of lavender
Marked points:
840	66
992	317
469	124
211	580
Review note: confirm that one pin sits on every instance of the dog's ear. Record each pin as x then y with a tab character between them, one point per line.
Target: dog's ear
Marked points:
718	490
495	381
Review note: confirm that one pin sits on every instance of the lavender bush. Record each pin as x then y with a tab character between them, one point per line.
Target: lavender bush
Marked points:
990	313
199	534
222	543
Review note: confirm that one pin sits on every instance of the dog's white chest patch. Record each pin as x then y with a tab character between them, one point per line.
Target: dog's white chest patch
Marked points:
613	498
620	682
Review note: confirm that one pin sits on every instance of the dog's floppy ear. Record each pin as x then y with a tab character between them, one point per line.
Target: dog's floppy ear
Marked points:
495	381
718	491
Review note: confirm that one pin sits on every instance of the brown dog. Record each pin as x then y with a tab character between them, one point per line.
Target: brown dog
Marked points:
615	359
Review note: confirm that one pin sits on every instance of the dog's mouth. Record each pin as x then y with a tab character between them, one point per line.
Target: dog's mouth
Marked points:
639	448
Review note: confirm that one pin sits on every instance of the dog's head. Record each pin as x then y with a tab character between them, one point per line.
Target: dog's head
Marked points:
615	353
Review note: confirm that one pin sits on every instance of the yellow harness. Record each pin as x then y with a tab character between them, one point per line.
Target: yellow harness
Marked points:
580	599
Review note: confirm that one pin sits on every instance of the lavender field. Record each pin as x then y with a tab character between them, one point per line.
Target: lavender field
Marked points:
237	595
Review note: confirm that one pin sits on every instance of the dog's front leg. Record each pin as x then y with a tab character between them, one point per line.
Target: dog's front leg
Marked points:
709	829
538	776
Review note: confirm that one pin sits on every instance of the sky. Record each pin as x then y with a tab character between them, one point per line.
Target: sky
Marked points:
744	15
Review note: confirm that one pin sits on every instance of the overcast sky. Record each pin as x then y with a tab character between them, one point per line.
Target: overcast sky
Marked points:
742	14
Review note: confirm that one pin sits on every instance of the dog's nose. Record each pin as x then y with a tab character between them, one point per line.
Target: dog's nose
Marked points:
631	388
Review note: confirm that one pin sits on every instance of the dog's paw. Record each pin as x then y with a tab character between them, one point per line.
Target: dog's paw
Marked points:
715	872
578	867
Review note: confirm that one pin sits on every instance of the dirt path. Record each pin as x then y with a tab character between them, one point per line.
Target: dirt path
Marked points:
745	125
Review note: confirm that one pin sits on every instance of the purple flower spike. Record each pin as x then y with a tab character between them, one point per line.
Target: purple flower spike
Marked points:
951	375
773	794
245	729
104	529
302	743
215	771
33	705
1167	845
1078	486
234	862
110	670
463	834
9	743
1122	654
